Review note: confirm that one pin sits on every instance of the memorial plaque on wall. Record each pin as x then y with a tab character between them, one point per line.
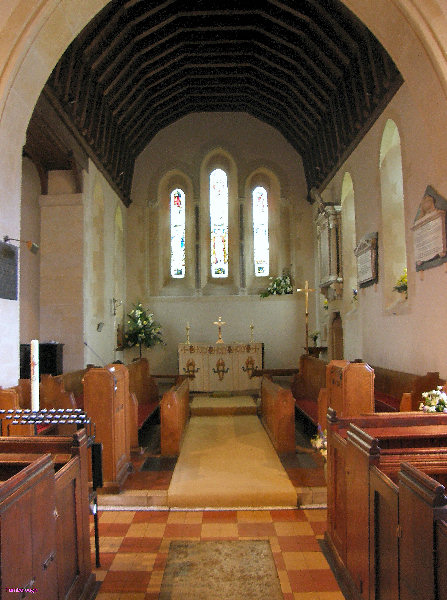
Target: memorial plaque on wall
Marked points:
366	253
8	271
429	231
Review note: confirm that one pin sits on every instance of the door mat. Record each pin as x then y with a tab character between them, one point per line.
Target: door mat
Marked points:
159	463
217	570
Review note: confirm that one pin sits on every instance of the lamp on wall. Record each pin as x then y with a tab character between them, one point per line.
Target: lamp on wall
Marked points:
32	247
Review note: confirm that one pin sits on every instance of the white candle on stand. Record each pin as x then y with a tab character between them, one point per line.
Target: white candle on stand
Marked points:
35	375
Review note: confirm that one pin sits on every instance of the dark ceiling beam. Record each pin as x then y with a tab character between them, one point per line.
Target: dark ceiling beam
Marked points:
181	81
240	102
310	69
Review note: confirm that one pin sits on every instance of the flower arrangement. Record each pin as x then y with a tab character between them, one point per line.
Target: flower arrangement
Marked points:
434	401
142	329
402	284
326	304
280	285
355	295
314	336
319	442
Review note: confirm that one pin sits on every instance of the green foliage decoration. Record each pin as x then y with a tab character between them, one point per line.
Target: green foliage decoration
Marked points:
142	329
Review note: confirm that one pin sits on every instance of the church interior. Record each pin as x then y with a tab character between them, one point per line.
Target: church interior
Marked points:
223	222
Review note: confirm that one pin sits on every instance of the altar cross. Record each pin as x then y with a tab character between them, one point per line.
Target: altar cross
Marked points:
306	289
219	324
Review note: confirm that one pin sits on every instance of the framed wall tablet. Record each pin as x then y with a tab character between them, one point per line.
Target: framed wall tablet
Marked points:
8	271
366	253
429	231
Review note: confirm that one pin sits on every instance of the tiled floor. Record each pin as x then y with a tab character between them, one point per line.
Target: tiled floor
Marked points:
134	544
134	548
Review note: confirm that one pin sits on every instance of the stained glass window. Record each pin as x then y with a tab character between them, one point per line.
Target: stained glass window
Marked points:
177	233
219	223
260	232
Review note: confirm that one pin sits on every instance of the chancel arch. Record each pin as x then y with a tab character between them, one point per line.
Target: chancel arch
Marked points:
394	261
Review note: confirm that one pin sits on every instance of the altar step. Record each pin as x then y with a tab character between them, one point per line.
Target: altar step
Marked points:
210	406
308	497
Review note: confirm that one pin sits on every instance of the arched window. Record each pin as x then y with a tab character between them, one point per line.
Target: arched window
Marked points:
393	215
219	223
349	240
260	232
177	233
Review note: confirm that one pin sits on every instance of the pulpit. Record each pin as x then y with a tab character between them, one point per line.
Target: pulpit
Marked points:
221	367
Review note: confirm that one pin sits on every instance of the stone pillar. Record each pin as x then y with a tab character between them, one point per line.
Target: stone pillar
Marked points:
61	269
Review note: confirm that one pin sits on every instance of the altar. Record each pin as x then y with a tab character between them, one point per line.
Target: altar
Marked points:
221	367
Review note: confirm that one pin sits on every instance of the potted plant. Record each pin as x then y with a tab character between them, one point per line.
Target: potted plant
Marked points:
279	285
401	284
142	329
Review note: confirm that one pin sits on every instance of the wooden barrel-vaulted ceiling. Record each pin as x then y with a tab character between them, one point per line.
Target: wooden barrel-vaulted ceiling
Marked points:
309	68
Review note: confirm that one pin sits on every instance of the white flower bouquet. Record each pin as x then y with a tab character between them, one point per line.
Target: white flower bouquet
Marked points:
434	401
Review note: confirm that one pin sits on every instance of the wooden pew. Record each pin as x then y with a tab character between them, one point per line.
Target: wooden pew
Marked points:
145	389
44	477
278	415
107	402
306	386
355	445
174	415
349	390
399	391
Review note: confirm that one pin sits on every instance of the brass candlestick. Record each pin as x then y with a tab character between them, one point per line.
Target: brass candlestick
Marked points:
251	332
187	332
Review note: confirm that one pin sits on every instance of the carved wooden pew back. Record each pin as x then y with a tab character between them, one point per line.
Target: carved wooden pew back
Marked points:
174	415
364	454
278	416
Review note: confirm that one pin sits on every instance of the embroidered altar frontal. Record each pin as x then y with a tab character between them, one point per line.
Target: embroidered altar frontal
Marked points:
221	367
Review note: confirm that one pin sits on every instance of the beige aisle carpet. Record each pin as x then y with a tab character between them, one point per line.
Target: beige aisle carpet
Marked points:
229	462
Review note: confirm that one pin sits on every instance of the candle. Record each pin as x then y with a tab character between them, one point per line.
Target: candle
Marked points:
35	375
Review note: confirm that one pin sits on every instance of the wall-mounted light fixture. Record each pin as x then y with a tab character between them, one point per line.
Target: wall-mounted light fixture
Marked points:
115	304
32	247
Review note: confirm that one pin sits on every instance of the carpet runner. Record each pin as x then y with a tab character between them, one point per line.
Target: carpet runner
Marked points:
228	461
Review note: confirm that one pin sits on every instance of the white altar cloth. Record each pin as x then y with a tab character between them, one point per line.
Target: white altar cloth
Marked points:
221	367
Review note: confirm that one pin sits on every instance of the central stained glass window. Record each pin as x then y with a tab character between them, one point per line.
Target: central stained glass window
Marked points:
177	233
219	223
260	232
